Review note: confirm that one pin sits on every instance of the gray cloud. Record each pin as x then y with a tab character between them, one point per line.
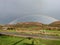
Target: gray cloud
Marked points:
12	9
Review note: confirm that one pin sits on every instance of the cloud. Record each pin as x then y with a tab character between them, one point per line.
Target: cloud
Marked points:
11	9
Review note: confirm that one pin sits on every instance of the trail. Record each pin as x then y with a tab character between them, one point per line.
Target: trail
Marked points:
31	35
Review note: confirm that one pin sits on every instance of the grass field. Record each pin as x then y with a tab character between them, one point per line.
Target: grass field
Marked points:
11	40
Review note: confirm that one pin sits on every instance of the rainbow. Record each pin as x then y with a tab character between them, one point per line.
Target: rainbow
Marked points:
35	18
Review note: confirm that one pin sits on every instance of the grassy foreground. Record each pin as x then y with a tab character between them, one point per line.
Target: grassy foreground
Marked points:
11	40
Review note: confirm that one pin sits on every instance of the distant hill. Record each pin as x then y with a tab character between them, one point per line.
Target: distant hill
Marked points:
29	24
34	25
55	24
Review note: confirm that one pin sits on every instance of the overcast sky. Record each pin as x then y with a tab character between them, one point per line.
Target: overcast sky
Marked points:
12	9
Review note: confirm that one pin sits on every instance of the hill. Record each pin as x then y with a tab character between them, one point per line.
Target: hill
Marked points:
29	24
55	24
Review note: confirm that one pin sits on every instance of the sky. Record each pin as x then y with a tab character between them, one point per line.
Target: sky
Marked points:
12	9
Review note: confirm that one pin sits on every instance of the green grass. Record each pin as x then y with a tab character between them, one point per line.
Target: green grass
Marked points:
8	40
57	33
11	40
50	42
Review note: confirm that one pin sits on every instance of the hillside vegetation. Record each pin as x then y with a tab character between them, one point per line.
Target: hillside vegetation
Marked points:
35	25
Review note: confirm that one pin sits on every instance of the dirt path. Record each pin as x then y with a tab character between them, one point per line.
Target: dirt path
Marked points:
31	35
